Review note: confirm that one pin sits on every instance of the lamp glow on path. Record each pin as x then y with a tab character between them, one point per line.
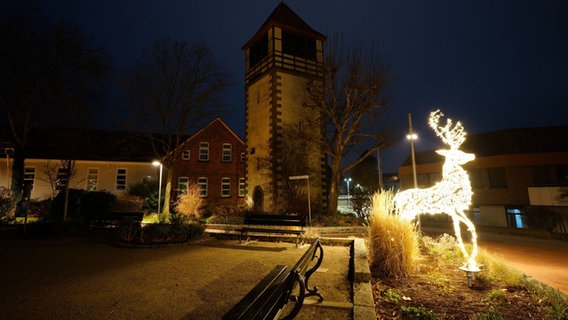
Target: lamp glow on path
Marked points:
452	195
158	163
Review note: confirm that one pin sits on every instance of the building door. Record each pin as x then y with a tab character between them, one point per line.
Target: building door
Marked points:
258	199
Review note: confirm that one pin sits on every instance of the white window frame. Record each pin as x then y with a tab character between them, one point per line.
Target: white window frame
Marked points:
121	179
227	152
225	187
185	154
203	184
29	175
183	184
62	178
204	151
242	187
92	179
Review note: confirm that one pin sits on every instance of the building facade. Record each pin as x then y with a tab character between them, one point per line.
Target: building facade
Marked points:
513	169
281	58
214	159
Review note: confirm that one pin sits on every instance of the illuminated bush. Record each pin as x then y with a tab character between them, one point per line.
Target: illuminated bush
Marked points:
393	241
189	204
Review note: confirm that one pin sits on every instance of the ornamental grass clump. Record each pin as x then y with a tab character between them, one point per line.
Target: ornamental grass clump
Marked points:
393	241
189	204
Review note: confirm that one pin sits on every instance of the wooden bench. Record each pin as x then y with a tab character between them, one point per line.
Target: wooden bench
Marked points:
113	219
273	224
269	297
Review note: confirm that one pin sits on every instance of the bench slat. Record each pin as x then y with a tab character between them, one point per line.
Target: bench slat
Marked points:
267	290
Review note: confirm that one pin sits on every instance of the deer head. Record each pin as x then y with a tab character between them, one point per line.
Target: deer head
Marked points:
453	136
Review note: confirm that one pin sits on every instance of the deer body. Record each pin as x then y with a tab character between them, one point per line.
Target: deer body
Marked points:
452	195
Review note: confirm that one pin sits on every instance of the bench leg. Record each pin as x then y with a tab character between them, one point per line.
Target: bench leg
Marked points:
318	253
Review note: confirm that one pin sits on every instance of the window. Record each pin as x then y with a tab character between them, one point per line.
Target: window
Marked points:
121	179
92	179
204	151
29	177
243	157
476	178
497	177
227	151
242	190
183	183
185	155
62	178
225	187
202	184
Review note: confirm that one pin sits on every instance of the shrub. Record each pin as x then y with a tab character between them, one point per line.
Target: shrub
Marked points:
541	218
146	192
6	203
393	242
73	205
188	205
96	204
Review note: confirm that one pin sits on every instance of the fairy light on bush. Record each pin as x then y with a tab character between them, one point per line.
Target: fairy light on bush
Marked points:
452	195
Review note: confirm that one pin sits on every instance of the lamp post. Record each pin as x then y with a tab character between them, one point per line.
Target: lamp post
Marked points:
412	136
348	196
305	177
158	163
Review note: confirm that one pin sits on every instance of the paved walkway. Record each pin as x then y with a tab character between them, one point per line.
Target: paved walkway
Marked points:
89	278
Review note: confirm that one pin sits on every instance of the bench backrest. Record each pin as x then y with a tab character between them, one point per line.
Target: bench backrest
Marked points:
266	299
275	220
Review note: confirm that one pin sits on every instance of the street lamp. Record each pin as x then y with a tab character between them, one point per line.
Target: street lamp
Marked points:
305	177
348	196
412	136
158	163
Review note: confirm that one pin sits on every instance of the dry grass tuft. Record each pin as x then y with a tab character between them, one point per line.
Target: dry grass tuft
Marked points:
393	241
188	204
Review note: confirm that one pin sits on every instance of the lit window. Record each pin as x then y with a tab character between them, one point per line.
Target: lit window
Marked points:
92	179
183	183
121	179
225	187
202	184
243	157
185	155
227	150
62	178
242	189
29	177
204	151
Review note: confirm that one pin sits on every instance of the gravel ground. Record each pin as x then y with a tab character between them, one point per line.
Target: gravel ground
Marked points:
90	278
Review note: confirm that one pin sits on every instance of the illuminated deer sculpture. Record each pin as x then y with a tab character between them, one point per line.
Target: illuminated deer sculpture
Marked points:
452	195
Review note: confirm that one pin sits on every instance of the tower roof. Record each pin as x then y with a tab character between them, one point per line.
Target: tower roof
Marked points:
285	18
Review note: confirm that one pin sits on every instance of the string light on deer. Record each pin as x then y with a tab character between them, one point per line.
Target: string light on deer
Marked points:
452	195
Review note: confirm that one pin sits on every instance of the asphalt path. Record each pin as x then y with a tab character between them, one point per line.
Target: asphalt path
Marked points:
545	260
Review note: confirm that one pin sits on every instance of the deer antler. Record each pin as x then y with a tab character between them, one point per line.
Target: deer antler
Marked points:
453	137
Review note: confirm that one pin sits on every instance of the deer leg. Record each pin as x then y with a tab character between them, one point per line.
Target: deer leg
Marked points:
471	263
457	231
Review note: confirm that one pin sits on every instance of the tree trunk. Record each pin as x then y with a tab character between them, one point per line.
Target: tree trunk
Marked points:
334	187
18	175
167	194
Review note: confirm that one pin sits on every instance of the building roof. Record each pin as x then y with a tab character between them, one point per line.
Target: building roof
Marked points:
285	18
89	144
507	141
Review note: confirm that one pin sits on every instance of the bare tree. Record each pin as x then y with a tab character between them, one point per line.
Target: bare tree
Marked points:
351	100
173	89
50	75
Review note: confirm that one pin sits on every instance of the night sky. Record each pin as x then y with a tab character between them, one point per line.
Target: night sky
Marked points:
493	64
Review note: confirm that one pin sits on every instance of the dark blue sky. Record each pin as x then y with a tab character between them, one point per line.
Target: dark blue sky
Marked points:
493	64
